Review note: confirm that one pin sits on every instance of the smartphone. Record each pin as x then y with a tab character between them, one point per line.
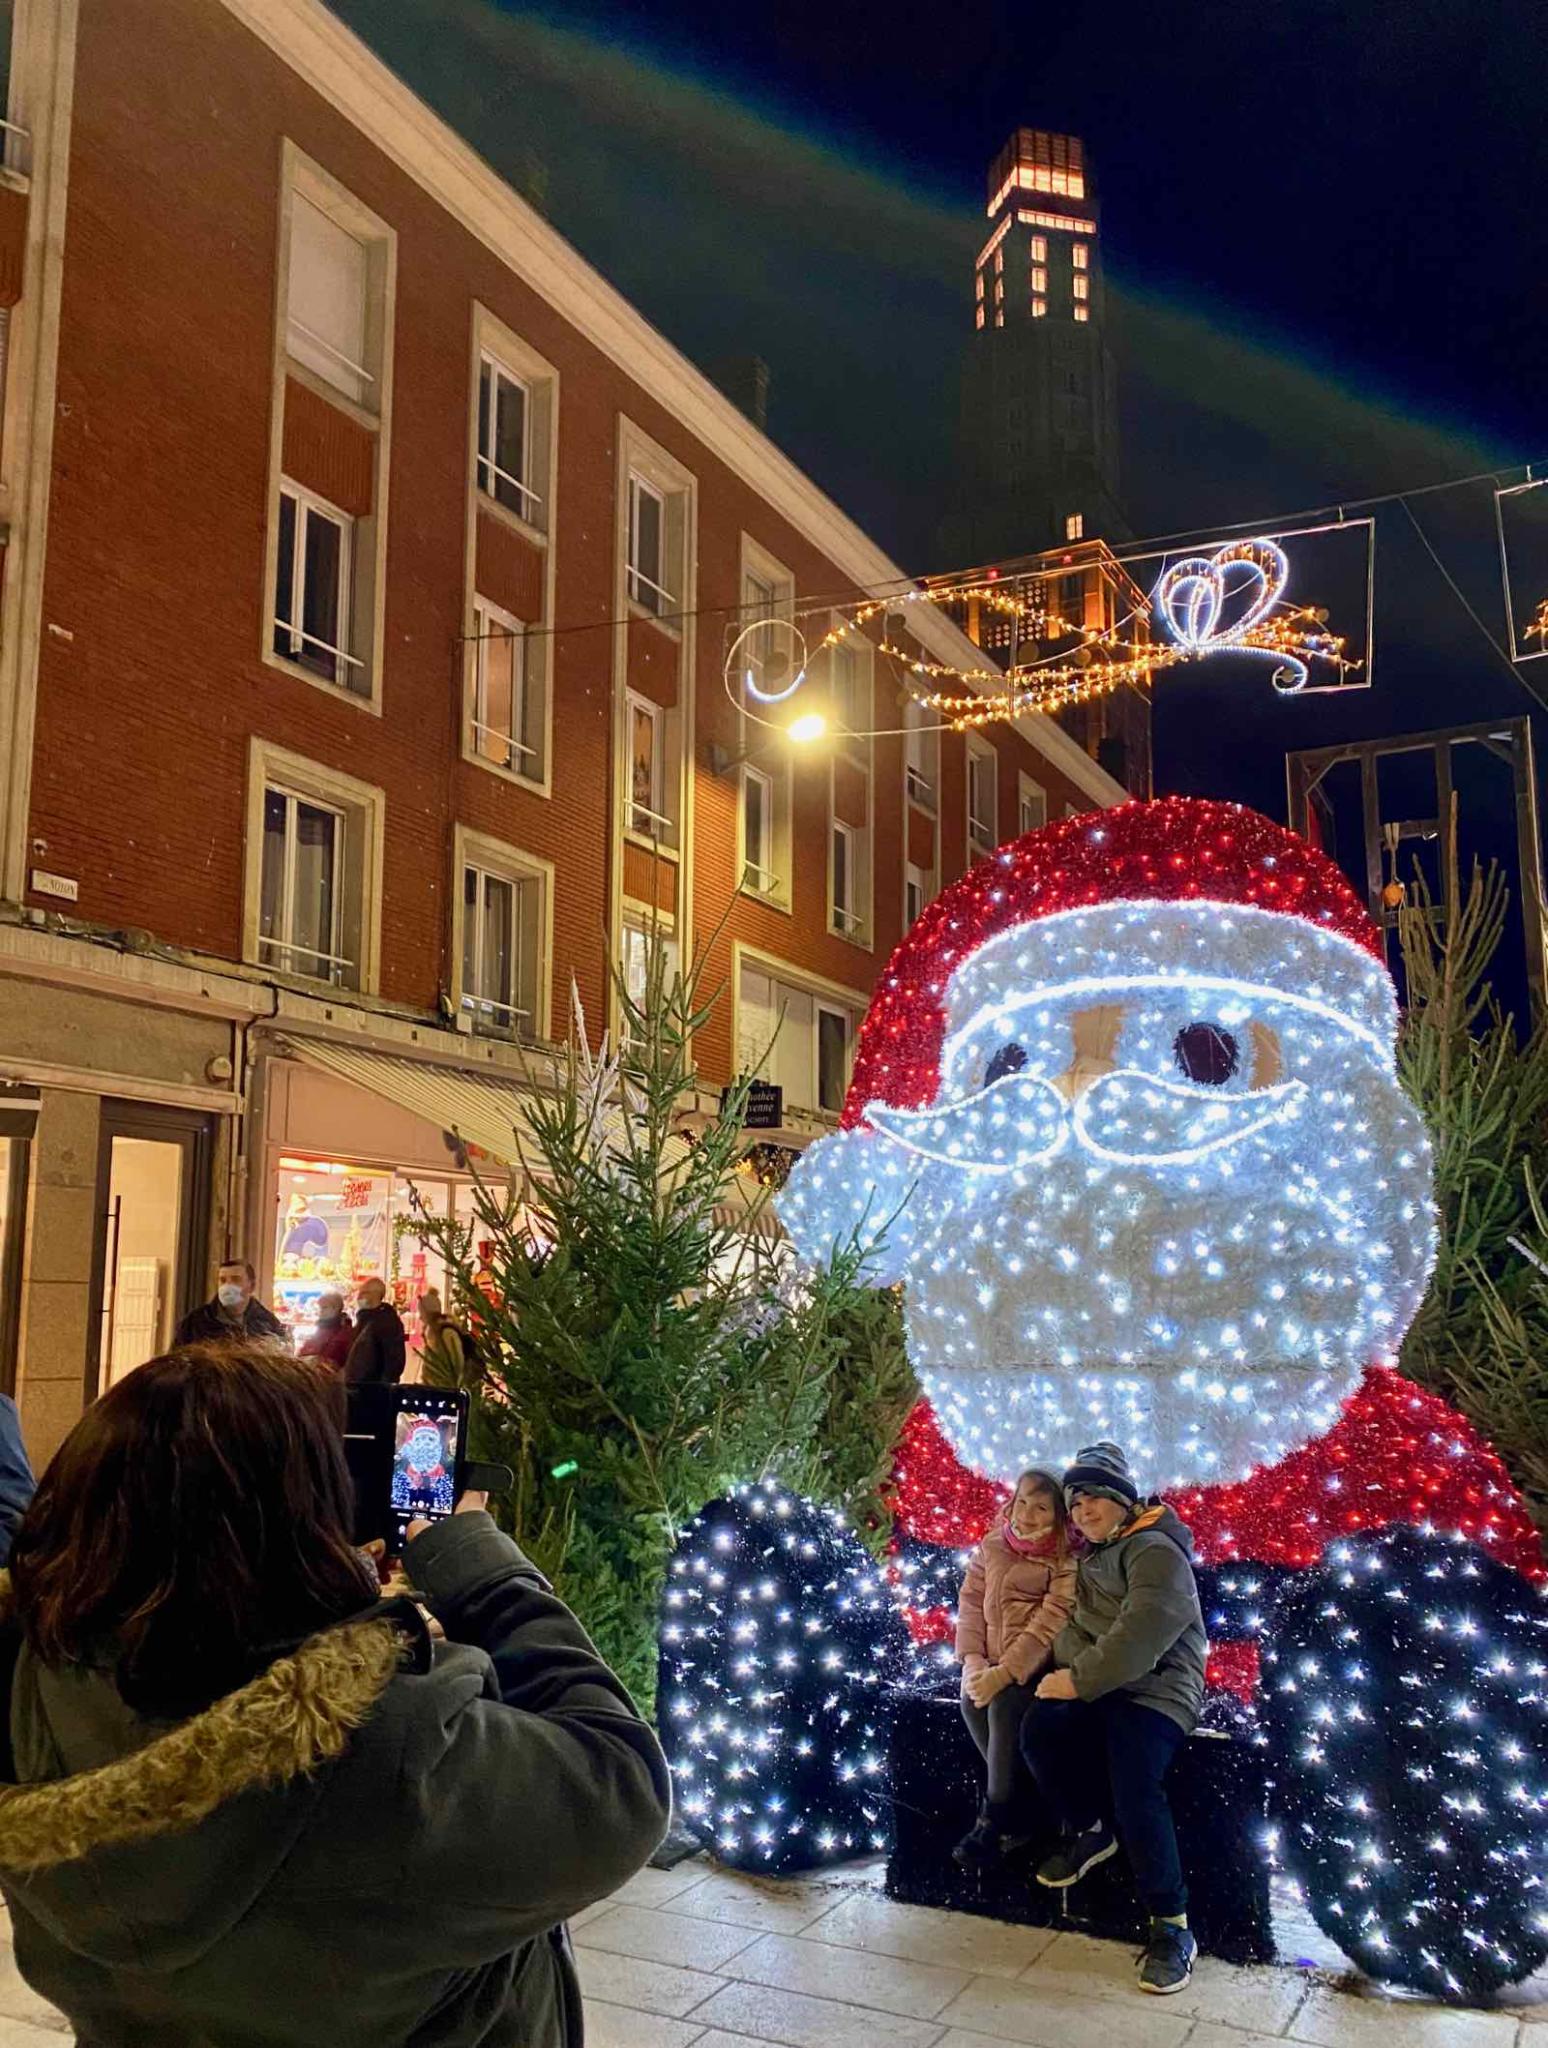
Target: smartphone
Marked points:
407	1453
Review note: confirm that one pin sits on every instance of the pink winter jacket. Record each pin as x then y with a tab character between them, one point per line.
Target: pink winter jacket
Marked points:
1011	1607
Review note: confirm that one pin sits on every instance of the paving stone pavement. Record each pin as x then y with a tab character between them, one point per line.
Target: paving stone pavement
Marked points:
700	1958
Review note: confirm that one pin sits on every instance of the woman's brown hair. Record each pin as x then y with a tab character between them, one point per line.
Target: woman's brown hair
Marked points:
195	1522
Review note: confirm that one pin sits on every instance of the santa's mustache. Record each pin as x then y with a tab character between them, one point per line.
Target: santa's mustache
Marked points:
1126	1118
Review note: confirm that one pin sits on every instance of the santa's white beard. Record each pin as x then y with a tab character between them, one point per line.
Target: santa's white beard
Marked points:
1210	1319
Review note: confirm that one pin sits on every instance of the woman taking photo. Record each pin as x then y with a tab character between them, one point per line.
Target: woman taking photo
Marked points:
244	1801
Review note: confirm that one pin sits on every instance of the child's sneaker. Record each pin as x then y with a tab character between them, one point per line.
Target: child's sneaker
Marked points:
1069	1865
986	1844
1167	1963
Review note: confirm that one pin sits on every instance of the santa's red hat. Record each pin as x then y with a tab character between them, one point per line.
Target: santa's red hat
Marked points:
1175	850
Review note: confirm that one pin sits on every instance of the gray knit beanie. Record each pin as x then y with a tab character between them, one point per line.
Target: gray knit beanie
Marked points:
1104	1470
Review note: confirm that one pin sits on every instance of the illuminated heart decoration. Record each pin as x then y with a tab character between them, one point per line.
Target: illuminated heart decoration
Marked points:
1211	602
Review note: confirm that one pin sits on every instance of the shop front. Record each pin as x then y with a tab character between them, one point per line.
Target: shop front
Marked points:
360	1148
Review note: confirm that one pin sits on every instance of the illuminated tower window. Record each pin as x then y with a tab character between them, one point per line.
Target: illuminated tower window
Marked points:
1040	250
1082	312
1075	526
1039	280
1082	287
980	318
999	259
1039	309
978	284
1080	256
999	316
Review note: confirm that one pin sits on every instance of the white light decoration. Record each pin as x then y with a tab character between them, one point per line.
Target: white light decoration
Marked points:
778	1634
1095	1240
1229	600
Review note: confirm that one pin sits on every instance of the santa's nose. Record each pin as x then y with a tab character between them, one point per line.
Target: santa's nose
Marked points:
1095	1037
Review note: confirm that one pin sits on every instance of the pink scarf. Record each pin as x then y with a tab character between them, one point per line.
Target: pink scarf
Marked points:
1037	1546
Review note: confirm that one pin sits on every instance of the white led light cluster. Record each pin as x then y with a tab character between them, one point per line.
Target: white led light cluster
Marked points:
1169	1191
778	1633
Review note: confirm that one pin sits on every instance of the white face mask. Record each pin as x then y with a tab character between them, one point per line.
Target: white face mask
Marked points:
229	1294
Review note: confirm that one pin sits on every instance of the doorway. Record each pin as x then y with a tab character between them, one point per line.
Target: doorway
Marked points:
152	1211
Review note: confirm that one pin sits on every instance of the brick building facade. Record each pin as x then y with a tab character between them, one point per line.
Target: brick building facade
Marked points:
370	571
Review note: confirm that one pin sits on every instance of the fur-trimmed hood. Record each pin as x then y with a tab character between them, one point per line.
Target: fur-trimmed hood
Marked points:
183	1800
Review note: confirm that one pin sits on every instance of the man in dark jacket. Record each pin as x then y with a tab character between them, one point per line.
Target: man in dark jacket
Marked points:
1102	1732
235	1316
380	1348
16	1481
370	1844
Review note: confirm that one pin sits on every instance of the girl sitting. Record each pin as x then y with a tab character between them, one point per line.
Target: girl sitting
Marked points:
1018	1594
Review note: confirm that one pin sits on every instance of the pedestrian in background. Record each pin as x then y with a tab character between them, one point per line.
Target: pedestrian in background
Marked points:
448	1354
16	1481
333	1335
235	1316
244	1799
379	1350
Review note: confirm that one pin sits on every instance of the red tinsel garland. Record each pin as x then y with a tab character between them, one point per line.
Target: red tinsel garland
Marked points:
1175	849
1396	1454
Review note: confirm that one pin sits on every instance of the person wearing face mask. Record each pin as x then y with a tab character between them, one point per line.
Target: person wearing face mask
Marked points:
235	1316
335	1332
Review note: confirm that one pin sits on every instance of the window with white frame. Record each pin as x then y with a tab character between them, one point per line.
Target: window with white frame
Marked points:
760	599
1075	526
850	669
502	928
916	892
313	588
647	807
646	940
1032	810
982	776
648	557
507	724
505	439
327	304
799	1038
301	888
758	837
921	753
844	870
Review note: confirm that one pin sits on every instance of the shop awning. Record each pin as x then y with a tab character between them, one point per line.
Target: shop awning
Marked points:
486	1113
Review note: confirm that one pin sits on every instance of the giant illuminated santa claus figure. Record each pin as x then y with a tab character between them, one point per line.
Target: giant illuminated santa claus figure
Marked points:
1126	1124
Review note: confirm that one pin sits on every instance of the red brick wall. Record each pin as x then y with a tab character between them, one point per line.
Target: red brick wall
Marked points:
156	550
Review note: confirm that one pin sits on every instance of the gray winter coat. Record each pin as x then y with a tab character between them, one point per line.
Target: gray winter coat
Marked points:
371	1845
1137	1626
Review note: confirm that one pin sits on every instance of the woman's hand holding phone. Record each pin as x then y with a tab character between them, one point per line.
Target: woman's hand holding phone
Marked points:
470	1504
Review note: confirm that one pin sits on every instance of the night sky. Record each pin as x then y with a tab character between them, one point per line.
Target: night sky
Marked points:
1324	236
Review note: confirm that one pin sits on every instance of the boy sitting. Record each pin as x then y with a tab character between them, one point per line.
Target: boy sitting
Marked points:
1102	1731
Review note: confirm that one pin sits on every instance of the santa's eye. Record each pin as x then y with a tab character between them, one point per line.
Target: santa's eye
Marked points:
1010	1059
1206	1053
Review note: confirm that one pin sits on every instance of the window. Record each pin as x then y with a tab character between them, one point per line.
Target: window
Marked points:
916	892
1039	248
999	260
501	945
642	935
758	832
759	650
1082	287
799	1038
647	547
506	727
1032	809
1082	312
1039	309
844	866
850	667
1075	526
979	318
921	757
999	316
1039	279
978	284
326	300
647	770
983	769
1080	256
312	588
301	888
312	884
505	439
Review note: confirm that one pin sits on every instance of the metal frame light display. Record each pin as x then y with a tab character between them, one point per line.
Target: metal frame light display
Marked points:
1125	1121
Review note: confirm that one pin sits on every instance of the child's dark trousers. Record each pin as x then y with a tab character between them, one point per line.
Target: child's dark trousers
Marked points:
1107	1759
997	1729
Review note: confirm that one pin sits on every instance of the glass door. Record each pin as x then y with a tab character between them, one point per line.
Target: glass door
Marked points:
151	1222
